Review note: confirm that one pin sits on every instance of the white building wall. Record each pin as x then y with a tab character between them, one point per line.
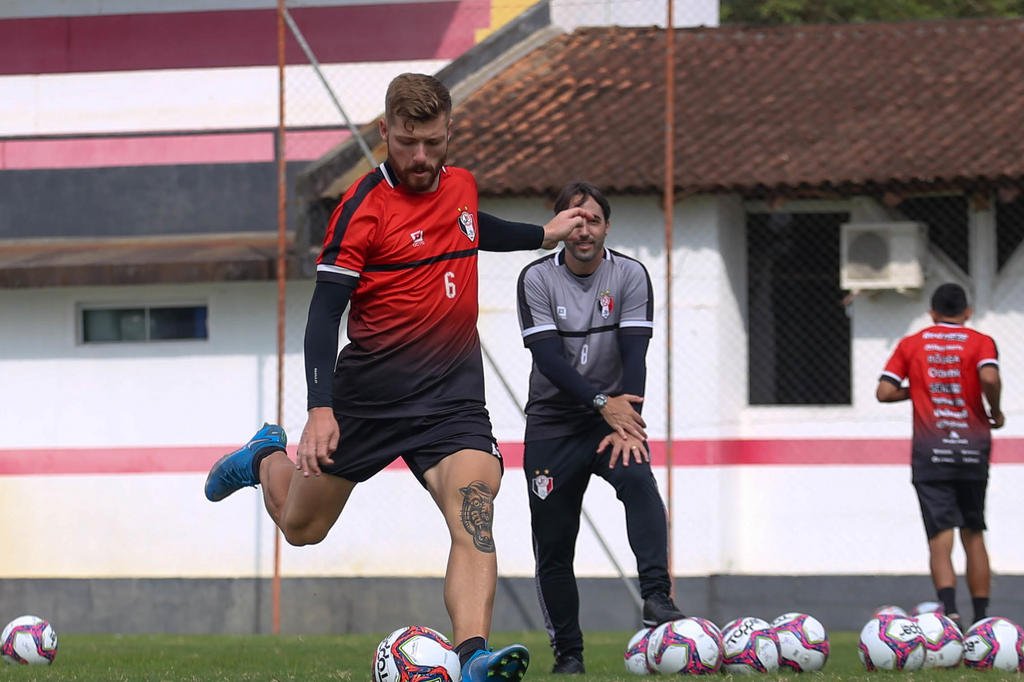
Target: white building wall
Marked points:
59	397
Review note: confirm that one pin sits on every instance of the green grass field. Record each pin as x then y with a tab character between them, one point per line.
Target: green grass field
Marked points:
159	658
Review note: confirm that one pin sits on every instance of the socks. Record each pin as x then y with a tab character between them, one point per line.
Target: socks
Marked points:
947	595
260	456
980	607
466	649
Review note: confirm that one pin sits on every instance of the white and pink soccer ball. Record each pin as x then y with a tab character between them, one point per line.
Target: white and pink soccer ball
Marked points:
929	607
994	644
751	646
943	643
416	653
803	642
890	610
889	642
691	646
635	656
28	640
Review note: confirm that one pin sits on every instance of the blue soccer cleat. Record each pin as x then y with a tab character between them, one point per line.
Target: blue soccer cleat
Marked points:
509	664
234	471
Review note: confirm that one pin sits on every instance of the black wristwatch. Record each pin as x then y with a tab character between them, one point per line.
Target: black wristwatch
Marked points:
600	400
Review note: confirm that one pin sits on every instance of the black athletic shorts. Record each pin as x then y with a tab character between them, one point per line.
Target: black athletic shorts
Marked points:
367	446
952	504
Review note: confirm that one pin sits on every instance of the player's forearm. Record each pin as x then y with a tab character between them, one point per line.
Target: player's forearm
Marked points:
320	345
551	362
993	394
633	351
991	387
504	235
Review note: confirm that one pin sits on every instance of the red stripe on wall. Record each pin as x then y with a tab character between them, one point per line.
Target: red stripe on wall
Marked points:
155	150
689	453
176	40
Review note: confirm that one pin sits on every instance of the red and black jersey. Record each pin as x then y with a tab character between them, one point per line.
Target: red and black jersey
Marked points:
952	437
413	344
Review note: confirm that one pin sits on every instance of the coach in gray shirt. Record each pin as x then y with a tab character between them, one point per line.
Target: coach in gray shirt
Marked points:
587	316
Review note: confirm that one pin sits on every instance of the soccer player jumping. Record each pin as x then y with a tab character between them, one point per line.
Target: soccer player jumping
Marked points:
401	248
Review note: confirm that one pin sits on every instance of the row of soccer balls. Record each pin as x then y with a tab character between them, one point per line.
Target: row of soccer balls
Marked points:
891	641
28	640
691	645
696	646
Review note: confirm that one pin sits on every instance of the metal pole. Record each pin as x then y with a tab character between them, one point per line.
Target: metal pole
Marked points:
281	286
669	196
330	91
630	587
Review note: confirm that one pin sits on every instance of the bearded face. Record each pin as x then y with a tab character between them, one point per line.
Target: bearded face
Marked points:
417	150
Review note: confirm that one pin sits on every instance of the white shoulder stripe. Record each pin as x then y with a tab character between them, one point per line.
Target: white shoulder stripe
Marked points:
892	376
336	270
539	328
636	323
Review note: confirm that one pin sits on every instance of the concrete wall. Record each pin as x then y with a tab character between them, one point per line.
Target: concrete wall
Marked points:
368	605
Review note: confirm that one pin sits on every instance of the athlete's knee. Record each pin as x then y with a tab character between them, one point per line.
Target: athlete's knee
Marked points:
301	534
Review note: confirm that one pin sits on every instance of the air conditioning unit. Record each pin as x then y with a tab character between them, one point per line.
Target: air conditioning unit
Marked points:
882	255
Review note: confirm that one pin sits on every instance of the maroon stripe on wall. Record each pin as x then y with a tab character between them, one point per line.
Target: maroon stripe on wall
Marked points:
690	453
363	33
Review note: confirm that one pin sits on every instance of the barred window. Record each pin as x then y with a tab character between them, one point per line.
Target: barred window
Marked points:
946	218
798	329
1009	229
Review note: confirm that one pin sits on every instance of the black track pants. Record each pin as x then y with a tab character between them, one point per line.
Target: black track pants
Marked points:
557	472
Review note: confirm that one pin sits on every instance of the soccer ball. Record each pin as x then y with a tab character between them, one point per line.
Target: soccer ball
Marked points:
803	642
416	654
943	643
929	607
891	643
751	646
690	646
636	653
889	610
29	640
994	643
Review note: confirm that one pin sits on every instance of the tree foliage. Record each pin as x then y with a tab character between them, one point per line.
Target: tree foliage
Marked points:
849	11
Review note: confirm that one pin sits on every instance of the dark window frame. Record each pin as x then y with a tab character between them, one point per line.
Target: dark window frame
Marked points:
160	323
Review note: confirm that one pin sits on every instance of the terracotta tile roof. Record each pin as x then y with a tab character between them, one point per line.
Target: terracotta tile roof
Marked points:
805	110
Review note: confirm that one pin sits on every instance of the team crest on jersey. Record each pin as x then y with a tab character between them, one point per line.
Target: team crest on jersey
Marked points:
542	484
606	303
417	238
466	224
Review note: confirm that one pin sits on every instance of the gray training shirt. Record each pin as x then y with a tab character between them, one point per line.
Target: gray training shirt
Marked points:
588	314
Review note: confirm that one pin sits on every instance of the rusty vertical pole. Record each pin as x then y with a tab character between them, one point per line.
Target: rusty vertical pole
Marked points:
669	208
281	289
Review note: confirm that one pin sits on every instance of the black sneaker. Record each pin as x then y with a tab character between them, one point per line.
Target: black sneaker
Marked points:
659	608
568	665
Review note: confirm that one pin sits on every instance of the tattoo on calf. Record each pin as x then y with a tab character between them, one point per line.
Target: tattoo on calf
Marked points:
478	514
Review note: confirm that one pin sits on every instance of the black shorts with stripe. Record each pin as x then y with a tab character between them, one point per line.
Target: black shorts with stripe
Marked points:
950	504
368	445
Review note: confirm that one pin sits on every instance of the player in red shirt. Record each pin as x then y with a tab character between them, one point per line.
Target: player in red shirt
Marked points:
949	369
402	247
